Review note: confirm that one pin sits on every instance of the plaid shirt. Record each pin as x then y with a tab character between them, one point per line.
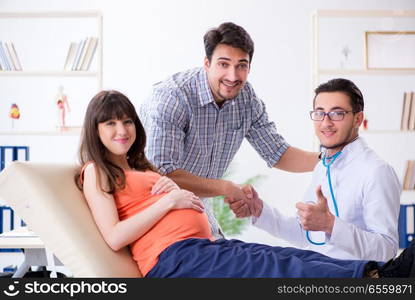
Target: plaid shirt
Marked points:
187	130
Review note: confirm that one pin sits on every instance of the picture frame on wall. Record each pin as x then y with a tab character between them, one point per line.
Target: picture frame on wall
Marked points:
390	50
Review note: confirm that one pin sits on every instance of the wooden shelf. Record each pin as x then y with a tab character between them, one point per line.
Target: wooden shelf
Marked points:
69	131
93	21
386	131
49	73
365	13
365	72
53	14
84	14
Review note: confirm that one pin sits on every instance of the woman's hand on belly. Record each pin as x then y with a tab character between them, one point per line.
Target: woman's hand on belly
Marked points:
164	185
182	199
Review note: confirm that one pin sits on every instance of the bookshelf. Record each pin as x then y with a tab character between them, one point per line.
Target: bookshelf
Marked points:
75	131
391	131
42	41
339	50
51	73
364	72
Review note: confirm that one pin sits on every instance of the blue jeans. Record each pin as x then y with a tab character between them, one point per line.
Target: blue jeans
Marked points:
202	258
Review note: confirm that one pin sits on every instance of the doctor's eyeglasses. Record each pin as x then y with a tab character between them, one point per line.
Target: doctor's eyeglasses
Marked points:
335	115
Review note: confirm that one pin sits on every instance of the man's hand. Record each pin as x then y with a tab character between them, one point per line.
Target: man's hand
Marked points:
316	217
255	204
236	196
251	206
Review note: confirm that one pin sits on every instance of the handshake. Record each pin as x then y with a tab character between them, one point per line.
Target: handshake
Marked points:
243	200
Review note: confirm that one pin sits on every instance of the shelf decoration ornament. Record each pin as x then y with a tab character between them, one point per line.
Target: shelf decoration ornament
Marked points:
62	104
14	113
345	57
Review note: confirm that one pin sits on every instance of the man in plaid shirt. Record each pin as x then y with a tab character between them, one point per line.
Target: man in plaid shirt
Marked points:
196	121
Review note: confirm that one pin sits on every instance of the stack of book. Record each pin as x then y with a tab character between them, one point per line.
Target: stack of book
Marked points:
409	179
408	111
80	54
9	61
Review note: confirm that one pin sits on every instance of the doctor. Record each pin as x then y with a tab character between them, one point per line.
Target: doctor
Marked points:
350	210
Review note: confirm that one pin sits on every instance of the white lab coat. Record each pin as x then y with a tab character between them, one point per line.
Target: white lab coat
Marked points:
367	192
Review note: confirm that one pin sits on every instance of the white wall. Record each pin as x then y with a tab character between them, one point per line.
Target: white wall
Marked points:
145	41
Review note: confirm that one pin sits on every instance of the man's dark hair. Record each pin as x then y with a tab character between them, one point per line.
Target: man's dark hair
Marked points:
229	34
345	86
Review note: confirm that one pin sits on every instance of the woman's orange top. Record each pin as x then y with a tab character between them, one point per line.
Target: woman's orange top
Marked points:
175	226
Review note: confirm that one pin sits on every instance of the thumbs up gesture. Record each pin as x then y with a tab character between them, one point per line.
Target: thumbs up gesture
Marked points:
316	216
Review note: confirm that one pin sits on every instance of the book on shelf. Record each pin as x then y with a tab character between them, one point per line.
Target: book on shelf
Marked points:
8	58
7	218
411	121
14	57
89	53
17	58
2	64
9	61
409	179
412	177
406	224
12	62
3	58
80	54
406	109
83	53
70	57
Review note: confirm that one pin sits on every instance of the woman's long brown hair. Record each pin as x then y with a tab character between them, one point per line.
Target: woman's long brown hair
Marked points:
104	106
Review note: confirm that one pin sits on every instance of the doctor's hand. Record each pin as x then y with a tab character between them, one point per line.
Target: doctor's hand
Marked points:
317	216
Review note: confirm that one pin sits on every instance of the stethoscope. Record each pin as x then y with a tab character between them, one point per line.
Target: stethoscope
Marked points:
331	160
